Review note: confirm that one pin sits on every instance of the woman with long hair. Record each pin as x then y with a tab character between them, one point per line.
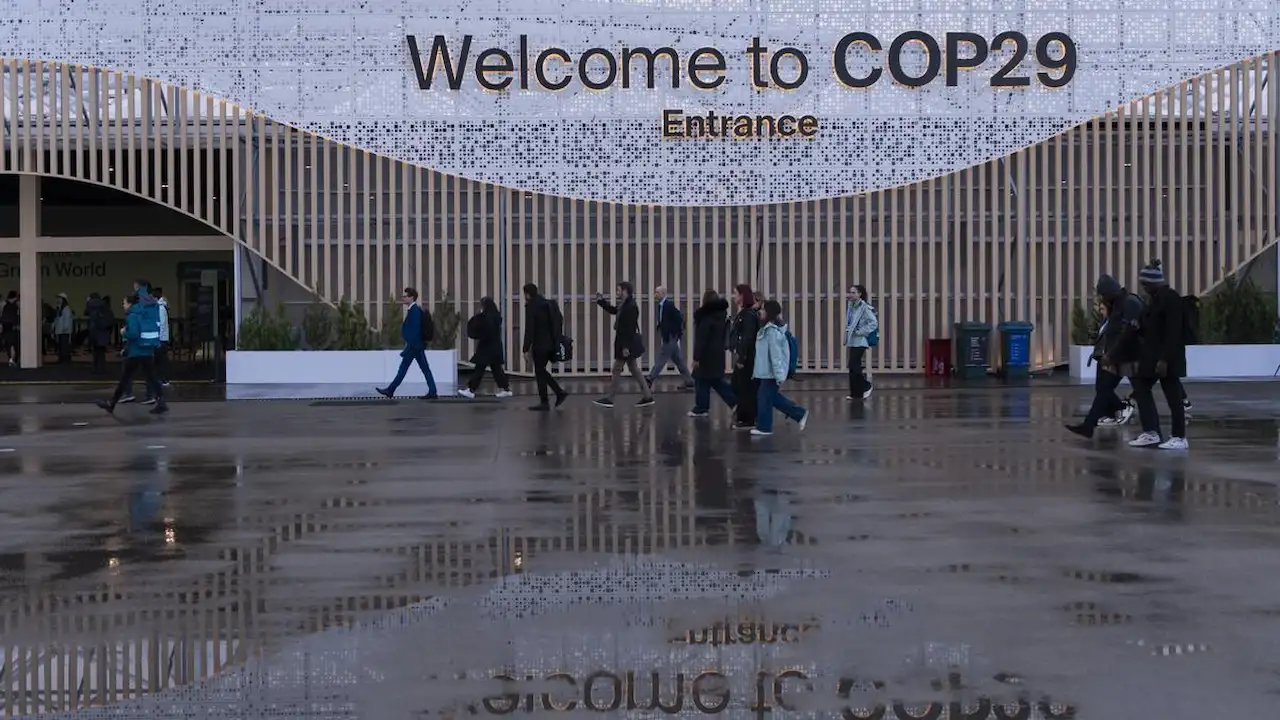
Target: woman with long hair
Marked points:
859	323
742	343
63	324
485	327
772	361
710	323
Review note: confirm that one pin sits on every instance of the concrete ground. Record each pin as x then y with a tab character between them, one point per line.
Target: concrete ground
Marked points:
924	554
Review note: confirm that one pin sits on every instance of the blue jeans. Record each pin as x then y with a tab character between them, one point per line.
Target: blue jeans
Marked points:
407	358
769	398
702	393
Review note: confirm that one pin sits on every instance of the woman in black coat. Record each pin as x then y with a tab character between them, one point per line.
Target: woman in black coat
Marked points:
742	342
485	327
710	328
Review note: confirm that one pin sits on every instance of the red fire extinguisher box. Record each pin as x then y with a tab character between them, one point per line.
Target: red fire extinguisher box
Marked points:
938	357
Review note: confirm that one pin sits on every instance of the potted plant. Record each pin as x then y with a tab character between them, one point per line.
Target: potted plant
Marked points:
1084	332
1236	333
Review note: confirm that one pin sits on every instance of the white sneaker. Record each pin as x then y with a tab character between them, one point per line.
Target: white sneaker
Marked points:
466	393
1109	422
804	420
760	433
504	394
1146	439
1125	415
866	394
1175	444
126	399
849	398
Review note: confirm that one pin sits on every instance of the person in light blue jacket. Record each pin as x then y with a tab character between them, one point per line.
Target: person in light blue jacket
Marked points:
772	363
859	323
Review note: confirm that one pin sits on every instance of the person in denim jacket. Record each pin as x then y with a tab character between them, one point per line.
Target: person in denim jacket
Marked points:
772	361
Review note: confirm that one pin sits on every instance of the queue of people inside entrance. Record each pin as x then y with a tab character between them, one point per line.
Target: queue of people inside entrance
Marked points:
96	330
742	352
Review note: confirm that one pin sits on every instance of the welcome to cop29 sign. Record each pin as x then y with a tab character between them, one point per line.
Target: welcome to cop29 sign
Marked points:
859	61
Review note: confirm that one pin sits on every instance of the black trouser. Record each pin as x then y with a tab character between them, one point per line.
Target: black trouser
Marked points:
745	388
1147	412
544	379
499	375
1105	401
148	367
162	362
64	348
857	373
99	359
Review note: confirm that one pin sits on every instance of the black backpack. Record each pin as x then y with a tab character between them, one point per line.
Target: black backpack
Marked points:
564	343
428	327
1191	320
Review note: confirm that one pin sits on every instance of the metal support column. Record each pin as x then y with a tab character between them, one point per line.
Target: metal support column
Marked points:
30	335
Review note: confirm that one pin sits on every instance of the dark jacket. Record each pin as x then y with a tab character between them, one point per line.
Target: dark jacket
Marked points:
411	331
539	329
486	330
100	322
742	336
626	331
1119	343
670	321
1162	337
710	323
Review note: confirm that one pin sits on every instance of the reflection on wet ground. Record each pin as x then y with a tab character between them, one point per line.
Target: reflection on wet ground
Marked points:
941	553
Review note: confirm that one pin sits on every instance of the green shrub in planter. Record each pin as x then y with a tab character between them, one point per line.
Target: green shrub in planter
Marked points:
1084	324
266	329
447	321
354	332
318	325
390	336
1238	312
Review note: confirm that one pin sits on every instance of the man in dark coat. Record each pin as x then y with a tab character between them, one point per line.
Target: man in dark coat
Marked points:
628	346
1162	358
542	330
742	342
710	329
670	329
1116	352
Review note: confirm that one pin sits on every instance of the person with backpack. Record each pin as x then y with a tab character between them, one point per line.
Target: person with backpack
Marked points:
670	328
544	341
628	345
860	327
141	338
773	357
417	330
485	327
1116	352
1162	360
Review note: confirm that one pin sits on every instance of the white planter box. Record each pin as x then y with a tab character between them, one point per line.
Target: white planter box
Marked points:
265	374
1204	362
1078	361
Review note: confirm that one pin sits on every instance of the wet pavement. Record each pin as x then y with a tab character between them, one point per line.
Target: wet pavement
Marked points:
932	553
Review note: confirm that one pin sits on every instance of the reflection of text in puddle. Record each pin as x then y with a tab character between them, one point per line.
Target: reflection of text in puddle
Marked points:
711	692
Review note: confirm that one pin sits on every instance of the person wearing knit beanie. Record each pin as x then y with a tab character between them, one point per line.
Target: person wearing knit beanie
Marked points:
1163	361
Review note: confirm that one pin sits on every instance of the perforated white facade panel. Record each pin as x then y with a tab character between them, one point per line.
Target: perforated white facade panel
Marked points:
344	69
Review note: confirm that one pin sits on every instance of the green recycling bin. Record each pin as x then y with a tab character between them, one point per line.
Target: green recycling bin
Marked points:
1015	348
972	349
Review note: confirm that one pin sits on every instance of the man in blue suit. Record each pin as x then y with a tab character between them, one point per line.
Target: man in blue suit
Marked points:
417	331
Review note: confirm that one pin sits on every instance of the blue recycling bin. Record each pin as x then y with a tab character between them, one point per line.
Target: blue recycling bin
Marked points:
1015	348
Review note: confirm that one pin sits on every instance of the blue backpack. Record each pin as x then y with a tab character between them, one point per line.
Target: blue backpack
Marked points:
794	346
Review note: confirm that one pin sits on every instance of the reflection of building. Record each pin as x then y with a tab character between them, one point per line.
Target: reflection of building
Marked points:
1187	174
